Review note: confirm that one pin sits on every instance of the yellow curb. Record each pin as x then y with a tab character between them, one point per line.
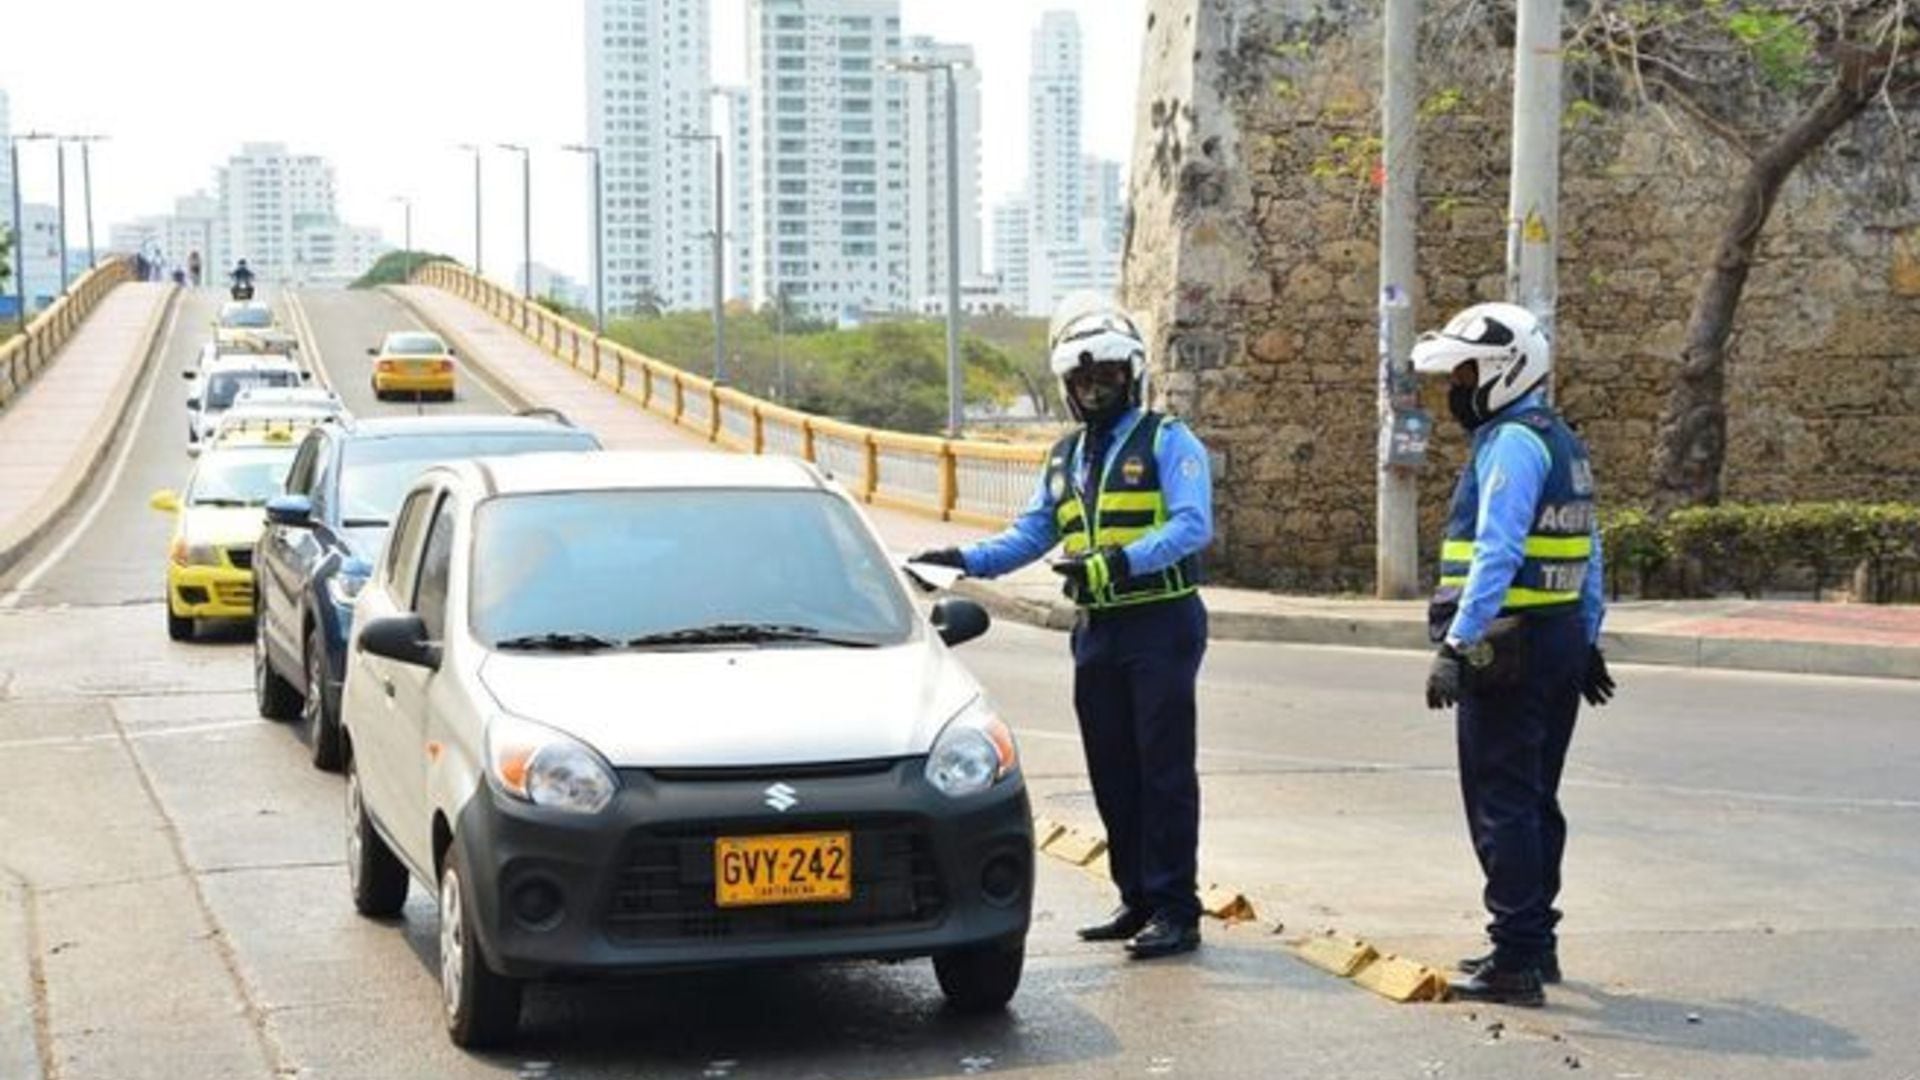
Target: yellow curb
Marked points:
1398	979
1046	831
1342	956
1227	905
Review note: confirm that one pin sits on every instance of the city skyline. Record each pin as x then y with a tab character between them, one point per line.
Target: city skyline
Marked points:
165	144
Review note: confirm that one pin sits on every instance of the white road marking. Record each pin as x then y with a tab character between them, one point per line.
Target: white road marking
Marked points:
129	439
309	344
156	733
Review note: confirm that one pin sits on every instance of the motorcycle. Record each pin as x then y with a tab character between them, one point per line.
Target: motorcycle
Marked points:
242	290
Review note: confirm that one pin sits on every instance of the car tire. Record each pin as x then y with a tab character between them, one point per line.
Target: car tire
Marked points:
376	877
482	1007
983	978
178	628
318	708
276	697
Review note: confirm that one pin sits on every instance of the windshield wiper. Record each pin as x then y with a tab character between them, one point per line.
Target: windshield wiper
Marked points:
364	523
557	642
218	501
745	634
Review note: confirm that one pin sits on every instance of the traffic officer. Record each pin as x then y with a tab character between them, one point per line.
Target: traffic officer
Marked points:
1517	616
1129	496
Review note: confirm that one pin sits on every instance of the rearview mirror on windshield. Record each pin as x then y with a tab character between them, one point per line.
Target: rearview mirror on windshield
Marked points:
959	620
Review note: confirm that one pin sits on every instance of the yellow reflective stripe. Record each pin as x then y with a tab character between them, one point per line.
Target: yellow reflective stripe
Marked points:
1537	547
1531	598
1453	579
1113	535
1456	551
1149	501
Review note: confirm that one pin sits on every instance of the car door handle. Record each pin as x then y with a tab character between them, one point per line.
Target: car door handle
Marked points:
387	685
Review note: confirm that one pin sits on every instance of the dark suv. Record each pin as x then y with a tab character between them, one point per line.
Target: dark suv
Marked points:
323	535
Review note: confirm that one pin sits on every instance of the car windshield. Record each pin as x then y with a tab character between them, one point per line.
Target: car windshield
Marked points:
415	345
223	386
617	566
248	317
246	477
375	473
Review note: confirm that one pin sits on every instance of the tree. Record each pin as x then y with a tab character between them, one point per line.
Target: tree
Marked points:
1775	80
6	259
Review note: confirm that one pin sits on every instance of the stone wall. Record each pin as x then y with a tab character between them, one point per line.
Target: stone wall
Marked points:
1251	251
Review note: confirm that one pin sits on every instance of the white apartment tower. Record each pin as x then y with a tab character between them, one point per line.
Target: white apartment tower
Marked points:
648	80
926	115
265	195
6	166
829	172
1055	172
739	129
1010	248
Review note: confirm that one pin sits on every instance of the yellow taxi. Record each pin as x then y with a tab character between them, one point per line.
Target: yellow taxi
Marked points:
217	520
414	363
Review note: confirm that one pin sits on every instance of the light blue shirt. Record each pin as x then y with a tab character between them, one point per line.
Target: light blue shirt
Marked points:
1186	482
1511	466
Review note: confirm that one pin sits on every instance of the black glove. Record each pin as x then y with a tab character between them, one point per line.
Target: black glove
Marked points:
947	557
1596	685
1445	678
1096	571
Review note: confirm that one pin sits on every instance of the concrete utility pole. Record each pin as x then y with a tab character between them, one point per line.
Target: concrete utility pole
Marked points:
526	217
475	149
1533	210
599	241
719	249
86	189
60	172
1397	523
19	220
407	235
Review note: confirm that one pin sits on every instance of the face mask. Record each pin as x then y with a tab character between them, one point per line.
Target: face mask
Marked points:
1099	400
1460	402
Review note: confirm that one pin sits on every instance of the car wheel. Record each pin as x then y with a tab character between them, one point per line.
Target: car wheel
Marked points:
482	1007
276	697
178	628
318	708
982	978
378	880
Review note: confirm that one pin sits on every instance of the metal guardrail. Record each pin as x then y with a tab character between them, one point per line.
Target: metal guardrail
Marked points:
27	354
976	483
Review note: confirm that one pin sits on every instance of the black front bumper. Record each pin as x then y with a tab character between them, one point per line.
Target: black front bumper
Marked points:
635	883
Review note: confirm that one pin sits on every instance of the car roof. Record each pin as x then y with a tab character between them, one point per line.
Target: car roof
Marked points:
250	361
287	395
386	427
629	470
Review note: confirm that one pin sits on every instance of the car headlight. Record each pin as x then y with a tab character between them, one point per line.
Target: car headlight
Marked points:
343	587
183	553
536	764
974	752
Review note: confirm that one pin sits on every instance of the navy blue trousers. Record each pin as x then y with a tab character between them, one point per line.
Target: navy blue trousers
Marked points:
1133	691
1513	746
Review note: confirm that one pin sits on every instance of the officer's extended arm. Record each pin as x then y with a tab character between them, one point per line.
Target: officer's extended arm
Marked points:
1593	594
1512	472
1032	534
1186	482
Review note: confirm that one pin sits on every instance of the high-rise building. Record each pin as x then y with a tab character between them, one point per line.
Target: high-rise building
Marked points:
829	175
264	193
649	80
1055	172
1011	238
739	129
1103	213
926	115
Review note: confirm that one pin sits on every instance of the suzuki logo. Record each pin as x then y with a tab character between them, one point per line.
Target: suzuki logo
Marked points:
782	798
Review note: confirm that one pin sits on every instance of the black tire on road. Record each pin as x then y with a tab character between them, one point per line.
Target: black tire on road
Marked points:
482	1007
277	698
376	877
178	628
320	709
982	978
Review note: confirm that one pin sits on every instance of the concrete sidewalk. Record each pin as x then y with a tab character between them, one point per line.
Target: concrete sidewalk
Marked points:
1798	638
57	432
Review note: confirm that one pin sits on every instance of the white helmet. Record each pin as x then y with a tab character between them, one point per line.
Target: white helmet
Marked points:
1506	342
1090	329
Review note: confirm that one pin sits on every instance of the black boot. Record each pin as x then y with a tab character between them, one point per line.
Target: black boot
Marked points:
1499	984
1119	926
1549	966
1165	936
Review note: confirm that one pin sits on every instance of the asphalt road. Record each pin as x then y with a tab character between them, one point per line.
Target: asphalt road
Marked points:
1741	894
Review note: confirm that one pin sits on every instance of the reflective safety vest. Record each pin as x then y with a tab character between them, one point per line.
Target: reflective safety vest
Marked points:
1559	546
1128	505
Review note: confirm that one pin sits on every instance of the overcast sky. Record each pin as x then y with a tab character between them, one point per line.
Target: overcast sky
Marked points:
386	88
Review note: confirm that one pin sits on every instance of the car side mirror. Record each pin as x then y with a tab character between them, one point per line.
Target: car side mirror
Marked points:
166	501
193	402
189	374
293	511
305	375
402	638
373	351
959	620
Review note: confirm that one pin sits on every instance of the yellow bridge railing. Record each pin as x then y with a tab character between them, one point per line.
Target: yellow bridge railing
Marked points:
977	483
27	354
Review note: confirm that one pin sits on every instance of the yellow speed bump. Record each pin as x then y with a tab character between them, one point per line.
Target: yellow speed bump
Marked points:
1046	831
1399	979
1227	905
1334	953
1076	847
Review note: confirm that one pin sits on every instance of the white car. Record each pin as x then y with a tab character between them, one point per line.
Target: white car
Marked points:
296	408
222	380
630	712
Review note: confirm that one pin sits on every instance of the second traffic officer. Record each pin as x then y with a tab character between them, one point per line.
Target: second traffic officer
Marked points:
1129	497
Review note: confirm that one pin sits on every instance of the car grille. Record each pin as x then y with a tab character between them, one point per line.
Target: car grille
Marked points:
664	890
240	558
233	593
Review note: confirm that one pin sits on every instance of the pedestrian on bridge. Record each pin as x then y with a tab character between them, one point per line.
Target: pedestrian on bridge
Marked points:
1129	497
1517	617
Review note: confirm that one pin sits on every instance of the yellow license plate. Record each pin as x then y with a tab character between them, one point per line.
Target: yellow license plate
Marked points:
804	868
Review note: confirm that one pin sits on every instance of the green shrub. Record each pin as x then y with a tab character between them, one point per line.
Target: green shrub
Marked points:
1634	543
1748	547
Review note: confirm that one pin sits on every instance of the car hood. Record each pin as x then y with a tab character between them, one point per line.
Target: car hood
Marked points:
222	525
730	707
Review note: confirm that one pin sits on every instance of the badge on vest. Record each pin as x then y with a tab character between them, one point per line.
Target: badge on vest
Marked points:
1133	470
1056	485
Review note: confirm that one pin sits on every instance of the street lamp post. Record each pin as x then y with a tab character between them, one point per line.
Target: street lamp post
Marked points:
406	236
526	217
86	188
60	202
955	377
719	248
475	149
599	241
19	224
